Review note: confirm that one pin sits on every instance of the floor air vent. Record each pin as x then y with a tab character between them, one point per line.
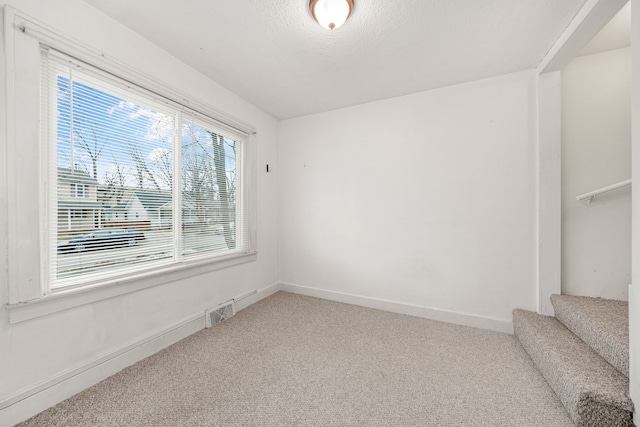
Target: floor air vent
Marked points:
220	313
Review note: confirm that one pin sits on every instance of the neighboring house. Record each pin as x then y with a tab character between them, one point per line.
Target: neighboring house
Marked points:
153	207
78	207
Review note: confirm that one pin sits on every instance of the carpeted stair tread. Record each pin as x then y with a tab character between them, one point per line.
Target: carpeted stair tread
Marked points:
593	392
601	323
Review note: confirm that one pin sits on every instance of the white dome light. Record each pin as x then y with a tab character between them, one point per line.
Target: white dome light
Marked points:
331	13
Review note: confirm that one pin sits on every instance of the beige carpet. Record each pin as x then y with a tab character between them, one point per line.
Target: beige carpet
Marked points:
601	323
292	360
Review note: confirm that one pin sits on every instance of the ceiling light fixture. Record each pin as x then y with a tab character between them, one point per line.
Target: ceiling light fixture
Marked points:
331	13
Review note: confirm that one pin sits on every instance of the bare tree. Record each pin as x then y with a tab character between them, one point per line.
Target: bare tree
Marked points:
114	189
163	164
226	206
197	176
142	169
206	181
89	142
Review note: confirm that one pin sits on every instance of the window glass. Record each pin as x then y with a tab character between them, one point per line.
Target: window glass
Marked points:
121	199
115	155
209	183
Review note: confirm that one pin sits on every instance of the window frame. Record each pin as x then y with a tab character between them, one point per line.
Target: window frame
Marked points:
29	296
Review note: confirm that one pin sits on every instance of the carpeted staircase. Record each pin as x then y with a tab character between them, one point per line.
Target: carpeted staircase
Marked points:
583	353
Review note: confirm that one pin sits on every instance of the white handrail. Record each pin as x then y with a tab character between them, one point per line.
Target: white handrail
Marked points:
588	197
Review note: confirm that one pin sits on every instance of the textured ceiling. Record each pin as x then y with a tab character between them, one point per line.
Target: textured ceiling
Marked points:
273	54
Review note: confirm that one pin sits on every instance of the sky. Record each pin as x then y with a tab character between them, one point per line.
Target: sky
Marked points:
122	134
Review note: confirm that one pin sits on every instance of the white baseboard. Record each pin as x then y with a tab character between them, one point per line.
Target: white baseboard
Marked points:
404	308
34	400
259	295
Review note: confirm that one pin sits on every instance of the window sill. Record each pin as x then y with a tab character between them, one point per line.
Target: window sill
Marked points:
70	298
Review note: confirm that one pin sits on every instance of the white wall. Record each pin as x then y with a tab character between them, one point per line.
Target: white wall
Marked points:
36	351
426	199
549	194
634	292
596	152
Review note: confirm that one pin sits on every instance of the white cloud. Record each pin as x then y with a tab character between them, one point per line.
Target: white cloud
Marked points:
160	126
158	153
123	106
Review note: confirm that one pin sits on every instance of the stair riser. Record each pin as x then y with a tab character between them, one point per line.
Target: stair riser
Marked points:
601	323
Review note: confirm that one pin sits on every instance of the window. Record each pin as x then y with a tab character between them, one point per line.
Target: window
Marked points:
164	184
79	190
58	129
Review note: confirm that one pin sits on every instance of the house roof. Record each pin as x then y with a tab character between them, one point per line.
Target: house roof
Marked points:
119	207
153	200
75	176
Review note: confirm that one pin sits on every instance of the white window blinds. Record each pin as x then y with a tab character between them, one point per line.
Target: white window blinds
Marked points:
135	180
